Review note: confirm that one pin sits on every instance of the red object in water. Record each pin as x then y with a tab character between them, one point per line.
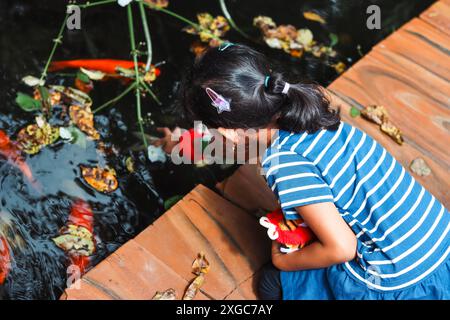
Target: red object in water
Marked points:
13	154
81	215
5	260
104	65
301	236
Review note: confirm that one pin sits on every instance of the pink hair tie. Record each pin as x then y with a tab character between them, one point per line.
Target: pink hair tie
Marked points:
286	88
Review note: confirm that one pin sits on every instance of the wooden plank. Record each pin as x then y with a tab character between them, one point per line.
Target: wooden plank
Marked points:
438	182
422	44
438	15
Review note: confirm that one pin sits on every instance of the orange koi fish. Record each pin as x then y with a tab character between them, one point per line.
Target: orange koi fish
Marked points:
81	215
108	66
5	260
13	154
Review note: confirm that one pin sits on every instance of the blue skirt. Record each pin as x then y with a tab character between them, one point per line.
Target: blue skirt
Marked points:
335	283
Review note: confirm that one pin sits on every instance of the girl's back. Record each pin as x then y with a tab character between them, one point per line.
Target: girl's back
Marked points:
402	230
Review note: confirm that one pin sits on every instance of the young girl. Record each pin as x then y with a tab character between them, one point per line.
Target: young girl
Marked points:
380	234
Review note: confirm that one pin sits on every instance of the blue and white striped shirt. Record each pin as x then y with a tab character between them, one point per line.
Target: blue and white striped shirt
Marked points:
402	230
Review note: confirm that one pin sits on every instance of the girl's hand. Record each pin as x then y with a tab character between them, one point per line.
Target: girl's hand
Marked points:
166	142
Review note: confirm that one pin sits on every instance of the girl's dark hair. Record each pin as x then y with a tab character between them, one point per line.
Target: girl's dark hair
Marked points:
238	73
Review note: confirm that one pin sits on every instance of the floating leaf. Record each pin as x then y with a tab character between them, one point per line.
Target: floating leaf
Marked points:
309	15
334	39
420	167
76	96
171	201
83	77
73	135
194	287
76	240
168	294
34	137
27	103
129	163
200	265
305	37
101	179
354	112
156	154
92	74
212	29
33	81
83	118
158	3
339	67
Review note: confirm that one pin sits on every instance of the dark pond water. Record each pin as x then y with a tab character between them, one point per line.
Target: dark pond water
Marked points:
30	219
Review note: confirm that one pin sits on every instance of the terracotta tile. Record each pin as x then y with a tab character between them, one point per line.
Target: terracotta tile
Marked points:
176	242
438	15
246	290
85	291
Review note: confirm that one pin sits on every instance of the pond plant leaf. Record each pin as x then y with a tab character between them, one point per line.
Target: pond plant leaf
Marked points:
76	240
101	179
169	294
158	3
73	135
27	103
32	81
172	201
334	39
91	74
83	77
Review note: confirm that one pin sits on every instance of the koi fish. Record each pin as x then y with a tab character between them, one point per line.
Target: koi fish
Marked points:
13	154
108	66
81	216
5	260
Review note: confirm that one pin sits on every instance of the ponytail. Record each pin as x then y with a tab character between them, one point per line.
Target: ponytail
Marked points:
305	107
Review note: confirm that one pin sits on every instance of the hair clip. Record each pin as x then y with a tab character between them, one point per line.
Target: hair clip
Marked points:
225	45
218	101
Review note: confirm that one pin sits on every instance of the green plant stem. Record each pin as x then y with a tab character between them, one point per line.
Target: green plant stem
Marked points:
148	39
56	41
115	99
227	15
186	20
137	78
93	4
150	91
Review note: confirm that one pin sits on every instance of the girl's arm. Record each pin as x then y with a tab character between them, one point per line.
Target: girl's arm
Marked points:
336	241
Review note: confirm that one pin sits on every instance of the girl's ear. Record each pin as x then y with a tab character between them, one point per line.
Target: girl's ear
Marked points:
229	134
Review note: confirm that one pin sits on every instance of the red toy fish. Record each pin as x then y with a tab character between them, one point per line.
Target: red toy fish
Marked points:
108	66
292	234
5	260
13	154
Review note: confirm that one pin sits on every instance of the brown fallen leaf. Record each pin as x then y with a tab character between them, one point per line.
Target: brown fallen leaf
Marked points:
200	265
83	118
101	179
34	137
420	167
168	294
392	131
375	113
194	287
76	240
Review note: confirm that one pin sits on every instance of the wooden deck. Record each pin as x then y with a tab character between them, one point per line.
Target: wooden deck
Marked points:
408	73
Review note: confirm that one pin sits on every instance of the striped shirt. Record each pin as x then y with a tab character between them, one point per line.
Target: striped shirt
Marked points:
402	230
